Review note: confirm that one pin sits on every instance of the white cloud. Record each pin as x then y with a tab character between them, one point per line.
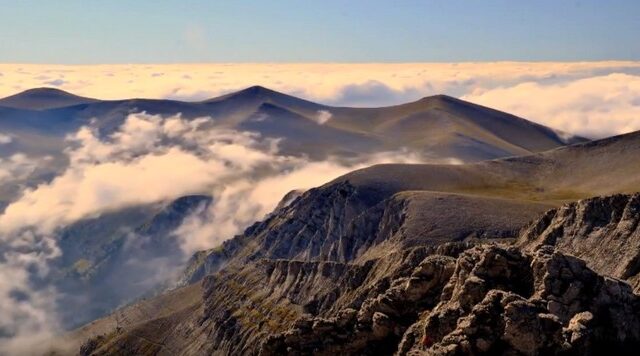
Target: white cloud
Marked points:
27	314
594	107
149	159
18	166
242	202
4	139
323	116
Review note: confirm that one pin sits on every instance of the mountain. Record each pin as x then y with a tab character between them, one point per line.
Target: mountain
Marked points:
43	99
393	205
339	246
437	127
416	258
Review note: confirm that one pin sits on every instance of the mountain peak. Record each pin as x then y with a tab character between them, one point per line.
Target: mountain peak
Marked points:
442	99
258	91
255	91
258	94
43	98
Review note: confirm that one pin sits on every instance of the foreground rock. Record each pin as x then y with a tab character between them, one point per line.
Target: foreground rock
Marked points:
335	273
495	301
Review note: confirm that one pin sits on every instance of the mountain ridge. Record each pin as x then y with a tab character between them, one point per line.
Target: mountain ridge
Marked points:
43	98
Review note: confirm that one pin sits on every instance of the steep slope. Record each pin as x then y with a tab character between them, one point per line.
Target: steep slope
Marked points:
345	223
115	258
341	219
43	99
451	300
489	301
604	231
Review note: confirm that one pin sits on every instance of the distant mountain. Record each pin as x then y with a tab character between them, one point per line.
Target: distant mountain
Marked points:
437	126
43	99
398	258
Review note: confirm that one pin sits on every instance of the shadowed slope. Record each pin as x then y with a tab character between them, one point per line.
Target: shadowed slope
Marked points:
43	98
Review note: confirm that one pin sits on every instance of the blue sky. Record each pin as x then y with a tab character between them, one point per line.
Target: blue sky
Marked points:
75	31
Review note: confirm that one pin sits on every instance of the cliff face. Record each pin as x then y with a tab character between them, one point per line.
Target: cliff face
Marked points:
603	231
343	222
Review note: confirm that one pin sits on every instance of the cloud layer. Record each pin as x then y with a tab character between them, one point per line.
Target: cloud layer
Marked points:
589	98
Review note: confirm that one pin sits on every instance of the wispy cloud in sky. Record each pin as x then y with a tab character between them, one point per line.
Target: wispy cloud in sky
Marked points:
589	98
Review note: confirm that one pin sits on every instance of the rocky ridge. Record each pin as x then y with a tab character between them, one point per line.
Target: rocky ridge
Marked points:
304	282
343	222
491	300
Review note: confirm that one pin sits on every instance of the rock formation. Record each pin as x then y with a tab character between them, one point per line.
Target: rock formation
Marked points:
311	279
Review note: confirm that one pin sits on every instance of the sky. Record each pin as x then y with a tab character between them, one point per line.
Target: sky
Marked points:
117	31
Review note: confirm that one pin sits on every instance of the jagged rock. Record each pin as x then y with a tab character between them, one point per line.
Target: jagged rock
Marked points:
478	270
503	323
381	321
344	222
603	231
569	308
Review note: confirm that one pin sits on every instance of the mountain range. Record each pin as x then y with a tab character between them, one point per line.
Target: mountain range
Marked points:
438	125
526	245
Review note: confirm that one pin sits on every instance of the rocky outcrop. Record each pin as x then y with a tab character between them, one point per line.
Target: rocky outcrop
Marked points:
490	300
335	273
478	271
379	323
603	231
571	310
244	307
